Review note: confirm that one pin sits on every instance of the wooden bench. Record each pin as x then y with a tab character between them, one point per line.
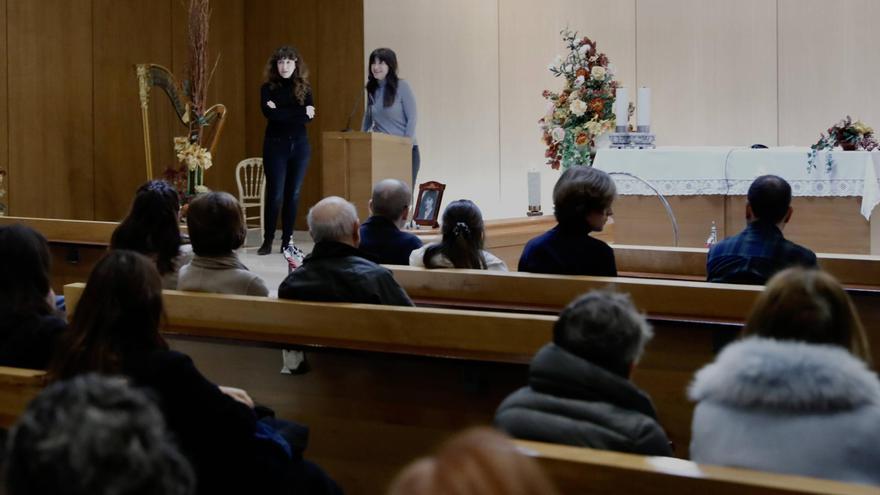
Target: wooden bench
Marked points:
17	387
852	270
589	471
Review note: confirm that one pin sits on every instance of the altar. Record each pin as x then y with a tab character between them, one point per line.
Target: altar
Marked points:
832	209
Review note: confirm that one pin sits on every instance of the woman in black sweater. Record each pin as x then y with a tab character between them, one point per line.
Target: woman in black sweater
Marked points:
29	325
286	102
115	330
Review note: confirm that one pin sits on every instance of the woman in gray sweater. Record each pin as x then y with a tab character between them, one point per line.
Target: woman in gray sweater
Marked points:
391	105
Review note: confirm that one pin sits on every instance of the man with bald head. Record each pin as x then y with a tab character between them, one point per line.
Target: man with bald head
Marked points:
380	234
336	270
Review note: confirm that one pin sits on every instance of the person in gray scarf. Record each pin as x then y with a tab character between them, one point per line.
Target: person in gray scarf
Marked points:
579	392
216	230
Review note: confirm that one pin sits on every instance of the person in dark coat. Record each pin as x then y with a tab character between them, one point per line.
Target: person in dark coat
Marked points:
760	250
582	200
115	330
579	392
380	234
336	270
29	324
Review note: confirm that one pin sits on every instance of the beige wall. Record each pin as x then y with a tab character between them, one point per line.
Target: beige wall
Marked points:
723	72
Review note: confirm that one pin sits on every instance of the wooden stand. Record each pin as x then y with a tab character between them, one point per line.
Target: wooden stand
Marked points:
354	161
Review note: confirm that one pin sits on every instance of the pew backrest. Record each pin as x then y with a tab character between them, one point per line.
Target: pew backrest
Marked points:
589	471
17	387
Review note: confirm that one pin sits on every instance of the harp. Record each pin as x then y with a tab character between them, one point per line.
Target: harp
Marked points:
203	129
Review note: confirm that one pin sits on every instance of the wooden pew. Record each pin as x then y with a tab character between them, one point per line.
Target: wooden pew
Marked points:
387	383
17	387
852	270
589	471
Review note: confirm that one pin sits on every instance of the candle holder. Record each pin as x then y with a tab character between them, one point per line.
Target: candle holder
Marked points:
534	211
643	139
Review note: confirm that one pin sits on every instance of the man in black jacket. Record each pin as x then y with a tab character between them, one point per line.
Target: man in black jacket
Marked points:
579	391
336	270
380	234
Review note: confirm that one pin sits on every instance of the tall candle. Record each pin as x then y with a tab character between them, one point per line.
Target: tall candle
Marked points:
534	181
621	108
644	109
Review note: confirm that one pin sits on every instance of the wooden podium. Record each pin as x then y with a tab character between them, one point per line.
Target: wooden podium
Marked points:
354	161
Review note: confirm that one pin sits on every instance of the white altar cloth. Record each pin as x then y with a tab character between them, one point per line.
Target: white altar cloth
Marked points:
687	171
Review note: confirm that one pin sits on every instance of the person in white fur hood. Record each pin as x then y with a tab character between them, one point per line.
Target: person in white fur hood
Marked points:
795	395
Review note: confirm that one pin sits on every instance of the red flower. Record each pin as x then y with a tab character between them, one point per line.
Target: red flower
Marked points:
581	72
581	139
596	105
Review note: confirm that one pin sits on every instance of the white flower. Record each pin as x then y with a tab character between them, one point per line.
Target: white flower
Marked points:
594	58
202	189
557	60
577	107
598	72
582	51
585	48
558	134
579	81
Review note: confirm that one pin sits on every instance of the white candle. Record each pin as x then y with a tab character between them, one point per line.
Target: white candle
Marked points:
621	107
534	181
644	107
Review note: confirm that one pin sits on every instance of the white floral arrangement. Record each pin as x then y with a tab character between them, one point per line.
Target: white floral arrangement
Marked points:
191	154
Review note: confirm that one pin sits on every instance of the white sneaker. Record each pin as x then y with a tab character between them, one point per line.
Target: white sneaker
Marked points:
291	361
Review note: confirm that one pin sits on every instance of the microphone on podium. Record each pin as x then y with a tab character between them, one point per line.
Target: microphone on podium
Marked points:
353	110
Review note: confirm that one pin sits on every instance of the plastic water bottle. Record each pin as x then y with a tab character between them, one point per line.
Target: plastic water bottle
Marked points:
713	236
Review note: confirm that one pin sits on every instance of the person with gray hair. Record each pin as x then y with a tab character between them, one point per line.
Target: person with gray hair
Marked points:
94	435
336	270
380	234
579	392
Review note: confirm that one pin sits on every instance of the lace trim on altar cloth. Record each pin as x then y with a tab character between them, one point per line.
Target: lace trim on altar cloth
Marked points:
735	187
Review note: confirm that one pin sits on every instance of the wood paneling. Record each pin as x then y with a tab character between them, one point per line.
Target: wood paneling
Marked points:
824	77
530	40
50	107
712	67
4	109
119	144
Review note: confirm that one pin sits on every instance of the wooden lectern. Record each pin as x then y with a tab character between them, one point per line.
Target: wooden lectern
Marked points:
354	161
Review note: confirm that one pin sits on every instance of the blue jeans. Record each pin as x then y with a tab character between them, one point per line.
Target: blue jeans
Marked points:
285	161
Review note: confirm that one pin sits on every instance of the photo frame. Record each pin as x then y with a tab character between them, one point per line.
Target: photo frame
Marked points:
428	204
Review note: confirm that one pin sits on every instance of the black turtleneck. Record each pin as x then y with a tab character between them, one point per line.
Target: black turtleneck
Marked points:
288	118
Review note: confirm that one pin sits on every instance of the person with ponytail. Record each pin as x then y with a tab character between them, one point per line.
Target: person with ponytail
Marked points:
287	103
391	104
462	243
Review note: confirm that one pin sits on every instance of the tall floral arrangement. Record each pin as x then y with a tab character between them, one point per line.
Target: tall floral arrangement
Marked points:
194	157
584	108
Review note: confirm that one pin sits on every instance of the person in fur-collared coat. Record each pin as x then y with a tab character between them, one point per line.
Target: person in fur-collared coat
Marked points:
796	395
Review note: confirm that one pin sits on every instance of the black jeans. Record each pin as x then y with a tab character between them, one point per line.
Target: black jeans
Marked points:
416	164
285	161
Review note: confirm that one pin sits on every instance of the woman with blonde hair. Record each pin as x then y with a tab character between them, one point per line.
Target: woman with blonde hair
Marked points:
795	395
480	461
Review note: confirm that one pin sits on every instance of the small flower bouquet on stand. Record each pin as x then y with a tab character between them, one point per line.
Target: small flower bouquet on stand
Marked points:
846	134
584	108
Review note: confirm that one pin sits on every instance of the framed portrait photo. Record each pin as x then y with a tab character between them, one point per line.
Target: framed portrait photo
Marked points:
428	204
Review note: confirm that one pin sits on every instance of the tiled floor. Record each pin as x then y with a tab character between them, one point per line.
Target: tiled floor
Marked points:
272	268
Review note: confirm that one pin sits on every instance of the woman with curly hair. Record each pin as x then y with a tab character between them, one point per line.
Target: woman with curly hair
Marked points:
287	103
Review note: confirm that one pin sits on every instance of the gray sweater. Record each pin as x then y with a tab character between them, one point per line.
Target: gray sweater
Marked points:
399	119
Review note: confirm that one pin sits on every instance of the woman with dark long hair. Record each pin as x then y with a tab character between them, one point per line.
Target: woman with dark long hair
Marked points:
152	228
287	103
29	325
462	242
391	104
115	330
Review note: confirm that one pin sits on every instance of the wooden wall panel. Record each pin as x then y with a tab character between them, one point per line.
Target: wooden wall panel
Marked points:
827	75
712	67
4	111
50	107
529	41
119	145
